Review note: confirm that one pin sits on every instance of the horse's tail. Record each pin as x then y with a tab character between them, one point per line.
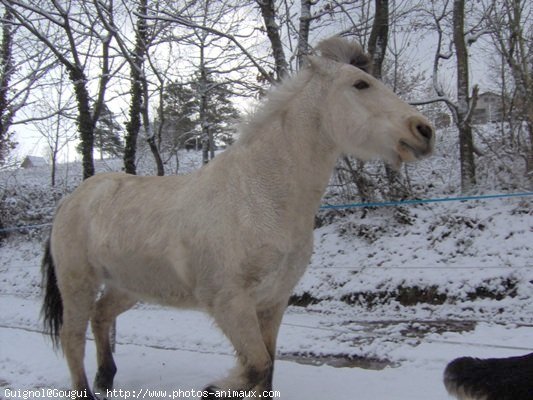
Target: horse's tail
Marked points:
52	309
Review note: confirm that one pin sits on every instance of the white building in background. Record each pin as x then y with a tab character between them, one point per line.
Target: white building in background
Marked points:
489	108
33	161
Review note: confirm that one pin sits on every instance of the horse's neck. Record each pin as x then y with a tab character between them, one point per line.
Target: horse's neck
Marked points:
314	155
299	153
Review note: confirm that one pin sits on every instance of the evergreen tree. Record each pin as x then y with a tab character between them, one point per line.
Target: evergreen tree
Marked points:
107	138
181	122
222	114
180	113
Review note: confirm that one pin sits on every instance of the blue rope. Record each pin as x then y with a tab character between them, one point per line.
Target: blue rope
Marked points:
423	201
353	205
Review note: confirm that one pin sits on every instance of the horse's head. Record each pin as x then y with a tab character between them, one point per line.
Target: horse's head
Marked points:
364	117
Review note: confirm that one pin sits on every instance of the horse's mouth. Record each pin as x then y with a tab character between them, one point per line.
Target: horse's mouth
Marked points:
409	152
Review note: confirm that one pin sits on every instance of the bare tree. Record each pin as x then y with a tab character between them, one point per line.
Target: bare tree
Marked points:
71	33
359	16
268	11
58	111
214	39
509	22
139	114
465	104
22	65
377	47
214	58
462	110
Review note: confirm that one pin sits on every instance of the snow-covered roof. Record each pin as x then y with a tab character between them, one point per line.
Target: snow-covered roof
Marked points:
33	161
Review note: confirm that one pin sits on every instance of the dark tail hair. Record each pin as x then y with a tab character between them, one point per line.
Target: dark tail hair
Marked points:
52	309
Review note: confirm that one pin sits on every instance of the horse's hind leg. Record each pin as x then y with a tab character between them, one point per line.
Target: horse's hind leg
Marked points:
237	317
78	302
108	307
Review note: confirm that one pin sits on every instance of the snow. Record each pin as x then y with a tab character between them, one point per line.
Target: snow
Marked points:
169	350
358	327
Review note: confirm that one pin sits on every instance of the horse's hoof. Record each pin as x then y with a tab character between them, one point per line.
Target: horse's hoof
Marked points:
103	381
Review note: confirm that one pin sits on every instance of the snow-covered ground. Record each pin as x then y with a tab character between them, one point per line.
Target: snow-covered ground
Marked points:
168	350
388	300
27	361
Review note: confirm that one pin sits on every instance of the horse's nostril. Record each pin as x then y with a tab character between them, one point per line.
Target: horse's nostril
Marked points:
425	131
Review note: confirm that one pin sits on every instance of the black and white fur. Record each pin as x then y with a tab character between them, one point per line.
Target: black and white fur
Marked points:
510	378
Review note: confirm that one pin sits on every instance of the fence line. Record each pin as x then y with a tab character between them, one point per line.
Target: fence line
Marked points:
424	201
352	205
370	335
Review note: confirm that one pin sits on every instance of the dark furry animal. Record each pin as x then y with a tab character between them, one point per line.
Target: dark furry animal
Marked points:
510	378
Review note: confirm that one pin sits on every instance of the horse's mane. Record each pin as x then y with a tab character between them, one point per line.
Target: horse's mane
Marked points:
274	103
276	100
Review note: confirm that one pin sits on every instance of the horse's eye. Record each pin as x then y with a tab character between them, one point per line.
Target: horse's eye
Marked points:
361	84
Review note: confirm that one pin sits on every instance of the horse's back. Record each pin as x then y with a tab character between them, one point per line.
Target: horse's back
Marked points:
118	227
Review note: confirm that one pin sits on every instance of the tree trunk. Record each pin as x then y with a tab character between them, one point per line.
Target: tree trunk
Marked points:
377	43
377	47
466	142
303	31
204	124
134	124
85	120
6	71
150	134
157	156
53	172
203	89
268	11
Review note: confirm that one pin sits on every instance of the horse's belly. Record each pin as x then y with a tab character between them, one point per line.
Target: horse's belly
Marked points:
153	281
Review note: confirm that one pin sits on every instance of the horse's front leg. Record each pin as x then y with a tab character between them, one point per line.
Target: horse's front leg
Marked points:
269	322
236	315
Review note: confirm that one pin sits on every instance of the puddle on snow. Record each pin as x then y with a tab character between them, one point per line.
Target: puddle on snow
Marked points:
338	361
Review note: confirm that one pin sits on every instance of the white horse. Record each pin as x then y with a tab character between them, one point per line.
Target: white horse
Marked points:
232	238
510	378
